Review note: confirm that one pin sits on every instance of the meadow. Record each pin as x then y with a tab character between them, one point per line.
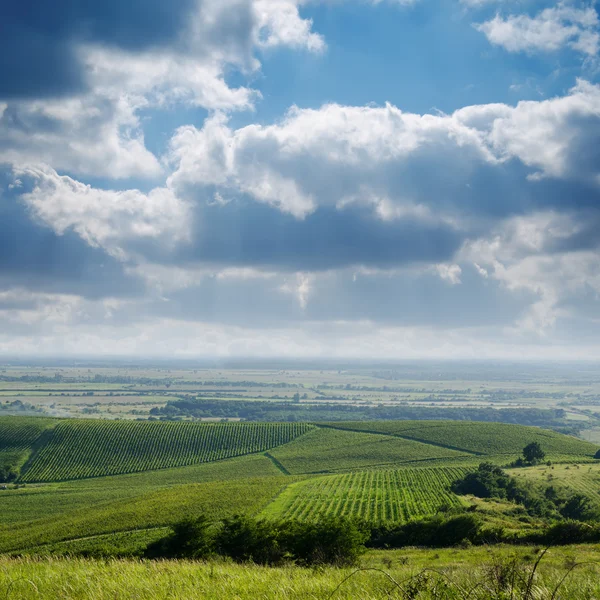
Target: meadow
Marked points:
458	574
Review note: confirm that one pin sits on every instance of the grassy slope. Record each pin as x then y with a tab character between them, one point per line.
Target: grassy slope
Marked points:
53	500
481	438
152	509
467	568
584	479
329	450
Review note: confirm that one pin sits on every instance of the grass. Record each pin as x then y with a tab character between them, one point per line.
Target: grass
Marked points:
479	438
381	495
583	479
328	450
460	570
56	499
149	510
94	448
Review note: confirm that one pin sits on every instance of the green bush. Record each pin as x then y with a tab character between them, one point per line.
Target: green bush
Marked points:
246	539
332	540
192	538
433	532
242	538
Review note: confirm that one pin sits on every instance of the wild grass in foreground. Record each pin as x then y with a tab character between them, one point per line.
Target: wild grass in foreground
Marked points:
477	574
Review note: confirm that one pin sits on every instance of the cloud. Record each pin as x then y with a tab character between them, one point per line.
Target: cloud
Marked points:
549	31
403	165
103	217
94	69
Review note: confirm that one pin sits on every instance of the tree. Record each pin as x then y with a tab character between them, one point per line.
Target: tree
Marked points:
533	453
597	455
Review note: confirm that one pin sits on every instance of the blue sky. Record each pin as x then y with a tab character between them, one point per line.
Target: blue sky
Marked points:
352	178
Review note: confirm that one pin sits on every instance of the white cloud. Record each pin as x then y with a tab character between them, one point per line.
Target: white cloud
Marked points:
338	155
99	132
90	135
104	218
548	31
520	255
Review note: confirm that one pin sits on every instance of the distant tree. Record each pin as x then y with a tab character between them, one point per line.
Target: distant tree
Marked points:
597	455
533	453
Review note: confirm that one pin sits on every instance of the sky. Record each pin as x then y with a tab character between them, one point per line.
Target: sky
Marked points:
382	179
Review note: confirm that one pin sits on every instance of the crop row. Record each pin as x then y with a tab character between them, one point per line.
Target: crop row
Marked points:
19	433
79	449
480	438
378	495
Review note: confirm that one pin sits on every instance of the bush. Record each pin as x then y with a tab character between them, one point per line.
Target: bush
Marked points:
489	481
8	473
246	539
192	538
332	540
566	532
432	532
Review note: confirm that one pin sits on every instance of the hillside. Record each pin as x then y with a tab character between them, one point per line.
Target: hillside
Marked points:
97	484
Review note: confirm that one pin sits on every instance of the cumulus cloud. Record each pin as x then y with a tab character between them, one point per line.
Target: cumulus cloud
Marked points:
548	31
93	74
103	217
401	163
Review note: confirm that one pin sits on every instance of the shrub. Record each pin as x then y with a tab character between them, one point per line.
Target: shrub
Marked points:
489	481
332	540
432	532
192	538
246	539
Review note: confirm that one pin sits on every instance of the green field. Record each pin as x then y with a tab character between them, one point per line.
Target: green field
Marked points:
326	450
94	485
477	438
378	495
78	449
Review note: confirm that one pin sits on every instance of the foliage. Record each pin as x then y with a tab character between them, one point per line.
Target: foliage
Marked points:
191	538
245	539
93	448
489	481
533	453
435	532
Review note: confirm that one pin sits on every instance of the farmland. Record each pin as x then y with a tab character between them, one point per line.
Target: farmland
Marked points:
94	479
377	495
119	475
79	449
475	438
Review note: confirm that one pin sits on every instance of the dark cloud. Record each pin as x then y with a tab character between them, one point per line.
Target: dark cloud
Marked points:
257	235
37	37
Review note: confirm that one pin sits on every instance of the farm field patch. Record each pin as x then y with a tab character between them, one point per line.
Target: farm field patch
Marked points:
378	495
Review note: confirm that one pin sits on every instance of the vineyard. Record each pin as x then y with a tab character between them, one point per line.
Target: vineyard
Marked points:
17	436
79	448
380	495
477	438
330	450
